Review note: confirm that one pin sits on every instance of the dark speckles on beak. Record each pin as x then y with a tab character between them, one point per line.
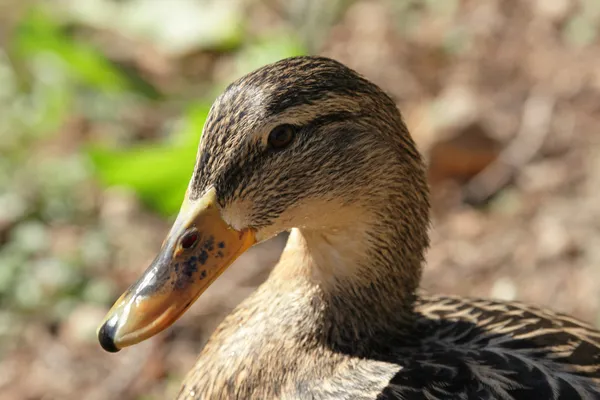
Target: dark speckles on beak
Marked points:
203	257
176	277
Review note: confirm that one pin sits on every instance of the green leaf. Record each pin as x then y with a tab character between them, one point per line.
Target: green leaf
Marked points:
40	34
159	172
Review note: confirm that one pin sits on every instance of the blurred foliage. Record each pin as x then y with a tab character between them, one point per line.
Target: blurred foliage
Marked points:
62	73
54	73
157	172
39	35
174	27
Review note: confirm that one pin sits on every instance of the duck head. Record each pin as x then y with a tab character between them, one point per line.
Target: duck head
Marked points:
302	143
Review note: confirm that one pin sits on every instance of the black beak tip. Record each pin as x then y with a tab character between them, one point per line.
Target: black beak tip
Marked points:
106	336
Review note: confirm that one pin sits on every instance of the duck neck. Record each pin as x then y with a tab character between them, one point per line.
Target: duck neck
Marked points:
362	276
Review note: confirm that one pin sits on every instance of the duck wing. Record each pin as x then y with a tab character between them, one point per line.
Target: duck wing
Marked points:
483	349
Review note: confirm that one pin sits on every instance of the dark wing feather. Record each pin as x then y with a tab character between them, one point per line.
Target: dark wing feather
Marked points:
481	349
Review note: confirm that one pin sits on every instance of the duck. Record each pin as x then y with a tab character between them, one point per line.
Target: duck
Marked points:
309	146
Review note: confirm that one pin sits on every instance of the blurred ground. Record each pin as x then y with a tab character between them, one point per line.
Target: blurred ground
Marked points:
503	96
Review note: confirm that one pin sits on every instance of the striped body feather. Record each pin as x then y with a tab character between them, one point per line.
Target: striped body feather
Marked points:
459	349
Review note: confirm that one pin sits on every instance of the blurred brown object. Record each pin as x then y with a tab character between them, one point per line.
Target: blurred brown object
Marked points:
462	156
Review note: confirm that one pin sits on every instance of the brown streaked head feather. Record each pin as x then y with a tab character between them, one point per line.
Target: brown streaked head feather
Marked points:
346	125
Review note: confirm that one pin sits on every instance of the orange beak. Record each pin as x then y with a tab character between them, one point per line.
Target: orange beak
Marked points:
181	272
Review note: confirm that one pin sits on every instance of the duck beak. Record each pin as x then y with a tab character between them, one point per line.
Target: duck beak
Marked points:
177	276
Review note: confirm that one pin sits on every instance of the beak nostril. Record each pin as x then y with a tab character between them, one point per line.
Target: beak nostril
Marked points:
189	239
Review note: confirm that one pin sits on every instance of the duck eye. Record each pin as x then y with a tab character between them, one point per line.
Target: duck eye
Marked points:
281	136
189	239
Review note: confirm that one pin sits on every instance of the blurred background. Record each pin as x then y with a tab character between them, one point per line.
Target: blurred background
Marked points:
102	103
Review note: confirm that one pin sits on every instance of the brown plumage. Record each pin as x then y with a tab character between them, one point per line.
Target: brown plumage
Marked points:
340	317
